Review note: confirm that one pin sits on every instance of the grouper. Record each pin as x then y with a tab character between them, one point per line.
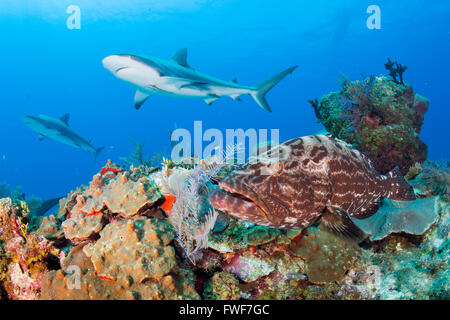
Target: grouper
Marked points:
306	181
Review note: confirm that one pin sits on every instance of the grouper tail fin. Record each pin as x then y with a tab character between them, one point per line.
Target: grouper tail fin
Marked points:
396	187
259	95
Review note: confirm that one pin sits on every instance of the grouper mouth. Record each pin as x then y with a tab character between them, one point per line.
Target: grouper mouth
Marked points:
240	201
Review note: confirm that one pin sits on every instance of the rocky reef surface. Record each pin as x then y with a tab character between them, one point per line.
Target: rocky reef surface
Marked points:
95	248
379	117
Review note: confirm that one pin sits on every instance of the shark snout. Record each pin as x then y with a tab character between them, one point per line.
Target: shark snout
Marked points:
30	118
116	62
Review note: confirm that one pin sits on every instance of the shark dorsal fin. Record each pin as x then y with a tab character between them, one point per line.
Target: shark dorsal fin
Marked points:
65	118
181	57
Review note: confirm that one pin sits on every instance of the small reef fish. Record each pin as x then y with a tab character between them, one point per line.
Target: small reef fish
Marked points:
59	130
174	77
311	179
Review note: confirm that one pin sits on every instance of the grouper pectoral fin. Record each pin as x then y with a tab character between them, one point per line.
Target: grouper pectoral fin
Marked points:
338	222
181	57
139	99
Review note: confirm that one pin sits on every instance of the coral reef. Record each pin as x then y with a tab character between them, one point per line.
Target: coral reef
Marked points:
222	286
80	227
25	257
117	191
106	253
137	157
327	256
134	249
379	117
177	286
50	228
431	178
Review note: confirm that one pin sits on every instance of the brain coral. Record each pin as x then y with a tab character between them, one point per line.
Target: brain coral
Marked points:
135	248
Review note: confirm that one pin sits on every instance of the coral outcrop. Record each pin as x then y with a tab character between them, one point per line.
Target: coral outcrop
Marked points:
80	227
117	191
379	117
135	249
136	253
24	257
328	257
431	178
222	286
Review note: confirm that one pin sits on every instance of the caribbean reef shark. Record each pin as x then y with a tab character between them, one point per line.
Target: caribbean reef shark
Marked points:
174	77
59	130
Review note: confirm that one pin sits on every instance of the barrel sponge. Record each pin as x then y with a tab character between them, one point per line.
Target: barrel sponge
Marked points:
413	217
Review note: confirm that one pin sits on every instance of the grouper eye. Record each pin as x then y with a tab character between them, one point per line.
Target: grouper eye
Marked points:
272	169
277	167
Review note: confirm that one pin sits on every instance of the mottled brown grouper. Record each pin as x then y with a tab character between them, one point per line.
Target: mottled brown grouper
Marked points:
308	180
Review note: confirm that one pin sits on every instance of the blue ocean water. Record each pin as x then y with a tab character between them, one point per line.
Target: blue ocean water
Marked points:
50	69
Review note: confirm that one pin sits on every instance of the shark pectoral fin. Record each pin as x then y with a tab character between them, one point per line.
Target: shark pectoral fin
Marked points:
181	57
41	137
139	99
209	101
65	118
236	97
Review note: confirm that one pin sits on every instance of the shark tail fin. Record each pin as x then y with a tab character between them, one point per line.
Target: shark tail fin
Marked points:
97	152
259	95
